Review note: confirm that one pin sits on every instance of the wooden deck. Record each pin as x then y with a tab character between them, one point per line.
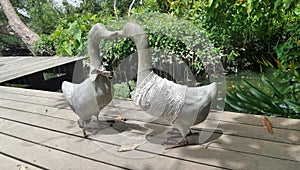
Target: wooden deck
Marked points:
39	131
31	71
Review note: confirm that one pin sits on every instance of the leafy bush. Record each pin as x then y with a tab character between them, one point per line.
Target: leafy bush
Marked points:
249	99
251	29
122	90
70	36
246	31
176	36
283	100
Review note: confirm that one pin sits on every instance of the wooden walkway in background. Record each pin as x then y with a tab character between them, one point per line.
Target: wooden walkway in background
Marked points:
41	73
15	67
39	131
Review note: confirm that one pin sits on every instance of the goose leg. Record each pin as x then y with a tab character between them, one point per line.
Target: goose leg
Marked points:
174	138
83	131
184	141
81	125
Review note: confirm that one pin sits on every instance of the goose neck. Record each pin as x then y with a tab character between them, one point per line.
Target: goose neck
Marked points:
93	51
144	57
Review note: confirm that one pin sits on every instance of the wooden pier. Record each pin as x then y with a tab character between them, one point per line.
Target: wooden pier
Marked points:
39	131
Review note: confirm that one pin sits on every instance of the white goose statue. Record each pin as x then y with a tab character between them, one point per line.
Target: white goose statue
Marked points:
89	97
180	105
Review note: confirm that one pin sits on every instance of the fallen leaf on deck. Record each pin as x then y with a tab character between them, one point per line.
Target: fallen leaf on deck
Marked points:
22	167
267	125
121	118
128	147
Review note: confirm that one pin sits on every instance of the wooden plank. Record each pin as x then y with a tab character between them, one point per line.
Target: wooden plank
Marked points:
262	147
76	145
9	62
26	66
282	133
47	157
55	112
234	143
251	145
18	61
226	116
236	118
25	62
208	155
11	163
59	103
248	119
257	132
7	59
31	92
277	122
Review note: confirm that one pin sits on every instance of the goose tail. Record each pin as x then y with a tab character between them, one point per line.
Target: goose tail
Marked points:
67	89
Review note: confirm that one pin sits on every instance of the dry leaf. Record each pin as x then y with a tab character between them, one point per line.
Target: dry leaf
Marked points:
128	147
121	118
22	167
267	125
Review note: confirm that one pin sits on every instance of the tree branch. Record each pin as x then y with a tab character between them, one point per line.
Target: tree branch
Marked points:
19	28
130	7
115	8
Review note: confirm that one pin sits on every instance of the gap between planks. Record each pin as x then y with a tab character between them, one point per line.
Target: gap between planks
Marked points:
231	147
258	130
185	154
59	101
86	148
12	162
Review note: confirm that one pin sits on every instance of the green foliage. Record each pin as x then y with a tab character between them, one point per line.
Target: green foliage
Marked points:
278	102
246	30
43	16
44	47
283	100
70	37
149	6
175	36
290	50
122	91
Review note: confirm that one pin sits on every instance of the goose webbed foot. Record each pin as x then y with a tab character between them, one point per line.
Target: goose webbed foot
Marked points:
105	122
176	140
179	144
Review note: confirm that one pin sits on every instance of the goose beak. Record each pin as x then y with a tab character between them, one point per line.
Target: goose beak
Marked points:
99	30
120	34
110	34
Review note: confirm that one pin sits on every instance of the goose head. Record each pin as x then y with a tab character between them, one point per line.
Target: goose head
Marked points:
97	32
136	33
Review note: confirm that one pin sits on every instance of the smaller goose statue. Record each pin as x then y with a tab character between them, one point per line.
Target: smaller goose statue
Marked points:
93	94
180	105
